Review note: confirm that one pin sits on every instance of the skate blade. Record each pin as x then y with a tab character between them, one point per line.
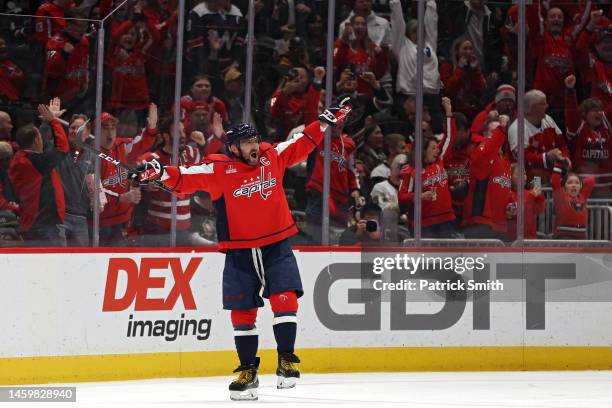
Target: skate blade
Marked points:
285	382
247	395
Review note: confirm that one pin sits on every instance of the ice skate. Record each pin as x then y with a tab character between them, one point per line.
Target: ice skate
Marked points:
287	371
244	388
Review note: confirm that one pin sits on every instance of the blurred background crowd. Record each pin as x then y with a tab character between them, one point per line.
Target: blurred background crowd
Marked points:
469	141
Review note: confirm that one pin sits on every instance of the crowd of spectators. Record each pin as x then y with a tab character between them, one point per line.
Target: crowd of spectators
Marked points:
470	136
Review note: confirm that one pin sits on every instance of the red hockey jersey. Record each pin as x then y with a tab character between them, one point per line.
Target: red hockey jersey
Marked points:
252	210
457	165
363	61
115	180
343	177
66	75
37	183
553	54
435	178
160	202
49	21
591	148
129	80
12	80
465	87
533	207
571	213
217	105
595	71
490	185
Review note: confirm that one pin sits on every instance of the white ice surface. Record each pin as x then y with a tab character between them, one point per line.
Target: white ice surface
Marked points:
568	389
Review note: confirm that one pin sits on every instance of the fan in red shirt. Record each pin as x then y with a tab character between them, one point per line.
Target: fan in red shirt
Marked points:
66	73
457	162
590	135
201	119
292	100
131	41
344	184
463	80
486	207
534	204
438	218
12	78
161	67
503	104
50	19
201	94
552	47
355	49
116	182
159	202
595	44
37	183
570	195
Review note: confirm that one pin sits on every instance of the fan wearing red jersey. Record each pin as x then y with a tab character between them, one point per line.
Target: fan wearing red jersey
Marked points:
486	206
344	187
438	218
159	202
594	48
590	135
117	213
12	78
253	227
457	162
50	19
570	195
66	72
552	47
533	204
127	57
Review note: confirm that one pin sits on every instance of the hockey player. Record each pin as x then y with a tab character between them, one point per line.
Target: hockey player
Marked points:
253	227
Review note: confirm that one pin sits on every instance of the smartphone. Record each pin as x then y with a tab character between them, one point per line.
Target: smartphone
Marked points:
537	182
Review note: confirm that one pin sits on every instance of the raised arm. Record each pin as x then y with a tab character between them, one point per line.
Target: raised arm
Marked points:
398	27
146	139
298	148
431	25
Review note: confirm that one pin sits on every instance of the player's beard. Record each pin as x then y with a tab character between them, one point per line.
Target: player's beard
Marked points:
251	158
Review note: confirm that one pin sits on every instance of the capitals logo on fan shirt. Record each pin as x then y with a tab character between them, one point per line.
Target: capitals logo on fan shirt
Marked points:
503	181
440	176
118	177
257	185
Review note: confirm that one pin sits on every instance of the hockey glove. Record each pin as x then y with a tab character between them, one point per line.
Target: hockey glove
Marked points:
149	171
336	114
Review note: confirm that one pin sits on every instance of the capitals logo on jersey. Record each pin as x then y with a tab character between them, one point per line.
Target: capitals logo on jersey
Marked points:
440	176
258	185
503	181
118	177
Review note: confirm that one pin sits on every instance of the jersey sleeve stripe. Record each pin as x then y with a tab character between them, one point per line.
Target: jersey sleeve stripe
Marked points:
204	168
281	147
